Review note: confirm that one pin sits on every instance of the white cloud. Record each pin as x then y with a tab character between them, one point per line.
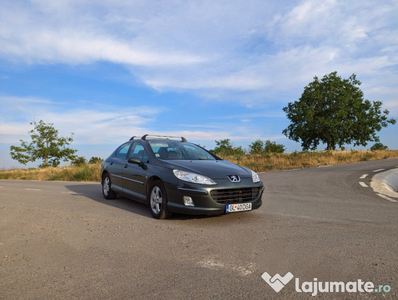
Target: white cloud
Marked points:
61	34
213	48
100	124
9	131
308	18
22	101
77	48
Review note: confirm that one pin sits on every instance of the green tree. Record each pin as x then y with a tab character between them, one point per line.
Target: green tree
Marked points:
273	147
267	147
224	147
257	147
45	145
333	111
79	161
239	152
95	160
378	146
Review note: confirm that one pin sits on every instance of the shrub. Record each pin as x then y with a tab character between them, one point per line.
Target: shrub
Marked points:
264	148
79	161
273	147
95	160
378	146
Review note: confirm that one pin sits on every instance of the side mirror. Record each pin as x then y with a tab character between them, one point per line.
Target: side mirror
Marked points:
135	160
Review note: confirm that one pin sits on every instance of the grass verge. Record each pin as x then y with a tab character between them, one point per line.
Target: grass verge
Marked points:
301	160
260	163
87	172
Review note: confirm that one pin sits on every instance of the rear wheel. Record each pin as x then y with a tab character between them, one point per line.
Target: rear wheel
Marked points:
158	201
107	192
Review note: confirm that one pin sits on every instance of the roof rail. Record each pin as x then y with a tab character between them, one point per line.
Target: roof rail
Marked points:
144	137
132	138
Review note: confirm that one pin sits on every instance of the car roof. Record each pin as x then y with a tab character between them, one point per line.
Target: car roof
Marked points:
147	137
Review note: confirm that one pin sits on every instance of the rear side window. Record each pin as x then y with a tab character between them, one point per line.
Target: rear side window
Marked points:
139	152
122	151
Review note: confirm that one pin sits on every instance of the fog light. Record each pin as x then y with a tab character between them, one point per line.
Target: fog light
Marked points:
188	201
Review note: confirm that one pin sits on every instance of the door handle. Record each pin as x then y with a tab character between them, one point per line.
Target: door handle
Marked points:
125	166
111	163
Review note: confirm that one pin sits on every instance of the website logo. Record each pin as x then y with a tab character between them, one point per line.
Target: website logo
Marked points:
315	287
277	282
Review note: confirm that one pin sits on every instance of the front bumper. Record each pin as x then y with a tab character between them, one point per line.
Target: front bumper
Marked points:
205	204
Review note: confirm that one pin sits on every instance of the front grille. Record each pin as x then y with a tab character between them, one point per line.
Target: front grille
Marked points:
232	196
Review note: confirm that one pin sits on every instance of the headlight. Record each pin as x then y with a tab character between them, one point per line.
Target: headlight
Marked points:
255	177
192	177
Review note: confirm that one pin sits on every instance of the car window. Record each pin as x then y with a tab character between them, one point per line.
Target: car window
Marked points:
170	150
122	151
139	152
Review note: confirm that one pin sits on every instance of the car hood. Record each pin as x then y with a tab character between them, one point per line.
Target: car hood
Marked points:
210	168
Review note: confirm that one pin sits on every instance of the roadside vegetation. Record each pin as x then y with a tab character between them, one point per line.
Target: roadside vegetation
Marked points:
83	172
263	156
264	162
301	160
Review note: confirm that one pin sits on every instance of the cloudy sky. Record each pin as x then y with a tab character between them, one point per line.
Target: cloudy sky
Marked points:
208	70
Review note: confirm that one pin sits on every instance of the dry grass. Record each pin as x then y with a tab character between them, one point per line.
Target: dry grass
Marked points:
300	160
88	172
295	160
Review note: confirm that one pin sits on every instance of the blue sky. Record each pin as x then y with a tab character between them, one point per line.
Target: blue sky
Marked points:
208	70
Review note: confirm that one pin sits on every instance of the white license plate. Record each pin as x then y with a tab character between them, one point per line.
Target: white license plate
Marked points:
238	207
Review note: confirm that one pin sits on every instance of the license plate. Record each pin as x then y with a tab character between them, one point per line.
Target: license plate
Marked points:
238	207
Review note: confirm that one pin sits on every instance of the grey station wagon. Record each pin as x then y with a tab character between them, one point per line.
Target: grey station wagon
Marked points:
172	175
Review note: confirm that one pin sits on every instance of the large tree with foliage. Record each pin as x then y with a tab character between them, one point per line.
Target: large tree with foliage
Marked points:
333	111
45	145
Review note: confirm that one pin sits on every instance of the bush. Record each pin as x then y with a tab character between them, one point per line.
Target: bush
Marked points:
256	147
265	148
225	148
95	160
273	147
79	161
378	146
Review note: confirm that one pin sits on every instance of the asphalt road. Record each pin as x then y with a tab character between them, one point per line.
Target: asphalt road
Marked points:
62	240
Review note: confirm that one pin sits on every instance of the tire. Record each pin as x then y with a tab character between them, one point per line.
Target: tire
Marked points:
107	192
158	201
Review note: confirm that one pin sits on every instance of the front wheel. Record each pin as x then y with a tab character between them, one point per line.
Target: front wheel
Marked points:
107	192
158	201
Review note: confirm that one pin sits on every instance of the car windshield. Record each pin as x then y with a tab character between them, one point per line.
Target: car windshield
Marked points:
171	150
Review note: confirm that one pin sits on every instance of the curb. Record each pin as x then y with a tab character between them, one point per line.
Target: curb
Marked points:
386	183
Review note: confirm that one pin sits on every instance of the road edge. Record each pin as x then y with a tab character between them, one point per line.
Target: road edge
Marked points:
386	183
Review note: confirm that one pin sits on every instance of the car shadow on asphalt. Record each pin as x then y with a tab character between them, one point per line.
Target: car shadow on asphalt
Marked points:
94	192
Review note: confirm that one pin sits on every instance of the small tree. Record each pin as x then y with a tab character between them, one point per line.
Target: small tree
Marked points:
239	152
273	147
45	145
257	147
224	147
95	160
378	146
79	161
333	111
267	147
